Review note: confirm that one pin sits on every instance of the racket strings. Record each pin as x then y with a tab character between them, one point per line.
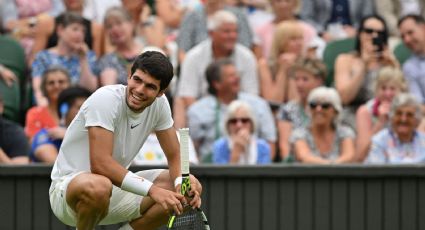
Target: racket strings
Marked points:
190	220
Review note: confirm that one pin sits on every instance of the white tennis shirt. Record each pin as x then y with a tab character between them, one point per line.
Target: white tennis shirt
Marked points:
107	108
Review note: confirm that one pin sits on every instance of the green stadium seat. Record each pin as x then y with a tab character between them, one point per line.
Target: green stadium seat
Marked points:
12	56
401	52
331	52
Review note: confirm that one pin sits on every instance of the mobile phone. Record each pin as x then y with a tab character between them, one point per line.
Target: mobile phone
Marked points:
378	42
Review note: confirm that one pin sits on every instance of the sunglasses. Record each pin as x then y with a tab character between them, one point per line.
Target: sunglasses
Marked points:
371	31
243	120
324	105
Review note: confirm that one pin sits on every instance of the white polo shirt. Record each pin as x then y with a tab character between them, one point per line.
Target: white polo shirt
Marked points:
107	108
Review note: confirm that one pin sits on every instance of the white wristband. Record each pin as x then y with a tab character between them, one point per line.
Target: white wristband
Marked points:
178	181
136	184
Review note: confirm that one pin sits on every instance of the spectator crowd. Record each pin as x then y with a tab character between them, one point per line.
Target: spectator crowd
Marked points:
257	82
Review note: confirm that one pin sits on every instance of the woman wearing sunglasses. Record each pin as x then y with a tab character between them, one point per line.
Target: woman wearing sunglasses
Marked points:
240	145
324	140
356	71
308	74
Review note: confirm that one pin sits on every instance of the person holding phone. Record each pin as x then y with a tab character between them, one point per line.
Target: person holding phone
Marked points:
355	71
71	53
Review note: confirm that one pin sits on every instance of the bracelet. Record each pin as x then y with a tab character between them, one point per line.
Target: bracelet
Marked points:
136	184
178	181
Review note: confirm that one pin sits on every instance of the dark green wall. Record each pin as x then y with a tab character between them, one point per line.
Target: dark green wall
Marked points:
298	197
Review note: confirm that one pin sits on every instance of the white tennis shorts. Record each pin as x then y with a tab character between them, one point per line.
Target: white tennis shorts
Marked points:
123	207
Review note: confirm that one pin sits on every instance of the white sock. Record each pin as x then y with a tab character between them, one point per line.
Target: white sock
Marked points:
126	227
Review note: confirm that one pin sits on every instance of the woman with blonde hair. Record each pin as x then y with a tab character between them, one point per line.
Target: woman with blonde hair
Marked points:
373	116
325	140
287	46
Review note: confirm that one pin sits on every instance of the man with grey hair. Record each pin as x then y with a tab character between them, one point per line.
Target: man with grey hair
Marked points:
221	44
400	143
206	115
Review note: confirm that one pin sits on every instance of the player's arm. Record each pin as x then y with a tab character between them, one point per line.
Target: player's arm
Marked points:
101	145
170	145
101	161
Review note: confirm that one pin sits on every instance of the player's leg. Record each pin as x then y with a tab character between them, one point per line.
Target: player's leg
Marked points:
88	195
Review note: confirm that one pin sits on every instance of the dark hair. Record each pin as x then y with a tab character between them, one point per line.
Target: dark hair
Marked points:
49	71
419	19
156	65
67	18
68	96
214	71
361	28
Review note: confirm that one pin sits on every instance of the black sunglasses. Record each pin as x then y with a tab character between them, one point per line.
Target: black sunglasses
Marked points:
243	120
371	31
324	105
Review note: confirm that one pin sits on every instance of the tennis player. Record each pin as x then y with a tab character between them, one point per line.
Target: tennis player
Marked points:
90	181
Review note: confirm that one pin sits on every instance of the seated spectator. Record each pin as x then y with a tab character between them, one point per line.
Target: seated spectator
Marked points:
392	10
336	19
240	145
192	84
195	26
325	140
45	145
93	31
400	143
70	53
355	72
287	46
412	30
172	12
307	74
151	152
53	82
14	146
24	19
372	117
115	66
283	11
205	115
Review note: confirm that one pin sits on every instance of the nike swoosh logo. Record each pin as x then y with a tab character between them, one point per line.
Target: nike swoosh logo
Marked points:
134	126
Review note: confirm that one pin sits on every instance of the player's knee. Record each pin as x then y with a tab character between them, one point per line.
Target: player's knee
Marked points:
97	192
164	180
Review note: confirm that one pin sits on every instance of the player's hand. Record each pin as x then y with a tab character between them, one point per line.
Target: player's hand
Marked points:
195	192
169	200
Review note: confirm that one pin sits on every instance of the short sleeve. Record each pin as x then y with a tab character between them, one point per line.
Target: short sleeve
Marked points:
102	109
346	132
165	119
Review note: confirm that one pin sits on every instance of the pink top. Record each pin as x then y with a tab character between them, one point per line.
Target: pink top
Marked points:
265	35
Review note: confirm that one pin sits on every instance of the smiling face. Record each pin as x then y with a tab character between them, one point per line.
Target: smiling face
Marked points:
55	83
225	37
322	112
305	82
387	91
404	121
413	35
142	90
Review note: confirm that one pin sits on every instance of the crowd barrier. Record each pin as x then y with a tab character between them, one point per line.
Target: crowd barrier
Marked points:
290	197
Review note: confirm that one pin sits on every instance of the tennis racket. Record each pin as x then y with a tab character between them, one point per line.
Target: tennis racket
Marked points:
193	219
